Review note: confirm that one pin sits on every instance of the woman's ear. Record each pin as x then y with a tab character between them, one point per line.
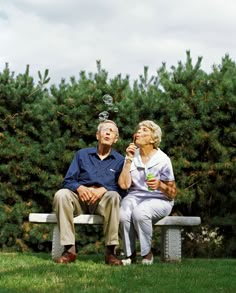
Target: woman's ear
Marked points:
154	140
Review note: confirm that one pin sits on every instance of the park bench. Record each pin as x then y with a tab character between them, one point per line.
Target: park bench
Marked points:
171	228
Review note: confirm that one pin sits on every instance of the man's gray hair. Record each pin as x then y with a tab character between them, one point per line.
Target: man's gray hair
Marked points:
100	125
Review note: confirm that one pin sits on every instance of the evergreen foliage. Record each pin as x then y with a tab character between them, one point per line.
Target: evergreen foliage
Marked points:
40	129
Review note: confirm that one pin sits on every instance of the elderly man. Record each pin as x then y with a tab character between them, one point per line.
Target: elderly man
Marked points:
90	186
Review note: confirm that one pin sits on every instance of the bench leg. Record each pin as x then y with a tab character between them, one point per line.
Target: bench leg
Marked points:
57	248
171	244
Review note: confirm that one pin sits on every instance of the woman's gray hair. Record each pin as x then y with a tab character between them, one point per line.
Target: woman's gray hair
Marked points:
156	131
100	125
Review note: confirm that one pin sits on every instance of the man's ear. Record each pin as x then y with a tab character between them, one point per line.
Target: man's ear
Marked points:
115	139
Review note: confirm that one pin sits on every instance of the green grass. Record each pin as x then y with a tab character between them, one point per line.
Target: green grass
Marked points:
35	272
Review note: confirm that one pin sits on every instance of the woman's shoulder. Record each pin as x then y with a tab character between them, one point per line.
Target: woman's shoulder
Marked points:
161	153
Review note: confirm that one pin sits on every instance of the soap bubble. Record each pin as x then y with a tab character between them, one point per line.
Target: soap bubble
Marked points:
107	99
103	116
115	109
110	108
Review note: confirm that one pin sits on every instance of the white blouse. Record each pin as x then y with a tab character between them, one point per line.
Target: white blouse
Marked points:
159	165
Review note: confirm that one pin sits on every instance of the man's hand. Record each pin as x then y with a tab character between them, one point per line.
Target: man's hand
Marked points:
84	193
90	194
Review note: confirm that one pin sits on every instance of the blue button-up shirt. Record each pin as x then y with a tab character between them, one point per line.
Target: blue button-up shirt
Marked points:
89	170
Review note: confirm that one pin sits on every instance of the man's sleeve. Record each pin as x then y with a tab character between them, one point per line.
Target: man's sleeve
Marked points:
71	179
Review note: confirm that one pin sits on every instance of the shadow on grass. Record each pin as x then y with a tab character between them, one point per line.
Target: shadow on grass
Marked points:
36	272
95	258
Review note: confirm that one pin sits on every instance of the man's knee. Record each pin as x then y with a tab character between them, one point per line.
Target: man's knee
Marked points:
113	197
61	195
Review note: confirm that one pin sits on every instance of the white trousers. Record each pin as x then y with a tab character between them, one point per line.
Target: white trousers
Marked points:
137	216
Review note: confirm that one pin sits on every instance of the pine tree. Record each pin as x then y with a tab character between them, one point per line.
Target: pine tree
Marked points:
40	130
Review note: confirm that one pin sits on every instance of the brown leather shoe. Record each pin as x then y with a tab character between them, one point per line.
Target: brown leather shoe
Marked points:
112	260
66	258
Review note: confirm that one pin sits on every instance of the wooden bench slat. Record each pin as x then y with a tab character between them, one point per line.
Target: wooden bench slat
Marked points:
96	219
51	218
179	221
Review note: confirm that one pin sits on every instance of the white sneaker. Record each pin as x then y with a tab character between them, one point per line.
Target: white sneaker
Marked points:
147	261
126	262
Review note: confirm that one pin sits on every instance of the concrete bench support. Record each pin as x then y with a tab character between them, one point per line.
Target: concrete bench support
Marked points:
171	243
171	227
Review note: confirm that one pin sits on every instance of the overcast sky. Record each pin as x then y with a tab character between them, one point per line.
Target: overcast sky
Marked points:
67	36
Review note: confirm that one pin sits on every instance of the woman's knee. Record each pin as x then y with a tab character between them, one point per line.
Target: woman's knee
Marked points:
139	215
124	216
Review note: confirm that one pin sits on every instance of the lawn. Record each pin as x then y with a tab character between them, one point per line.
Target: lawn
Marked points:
35	272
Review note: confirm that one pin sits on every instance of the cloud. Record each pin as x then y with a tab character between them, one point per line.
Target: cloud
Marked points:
69	36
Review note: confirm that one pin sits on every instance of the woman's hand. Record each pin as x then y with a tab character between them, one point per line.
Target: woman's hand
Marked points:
167	187
153	183
130	151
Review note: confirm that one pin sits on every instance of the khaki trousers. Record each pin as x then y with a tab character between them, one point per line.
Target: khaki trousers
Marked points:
67	205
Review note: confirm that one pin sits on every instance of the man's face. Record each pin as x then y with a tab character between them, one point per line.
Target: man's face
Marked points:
108	134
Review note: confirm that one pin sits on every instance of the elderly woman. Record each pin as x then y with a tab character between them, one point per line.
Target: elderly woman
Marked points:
148	175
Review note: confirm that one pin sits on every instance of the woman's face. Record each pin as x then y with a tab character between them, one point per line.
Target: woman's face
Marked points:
144	136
